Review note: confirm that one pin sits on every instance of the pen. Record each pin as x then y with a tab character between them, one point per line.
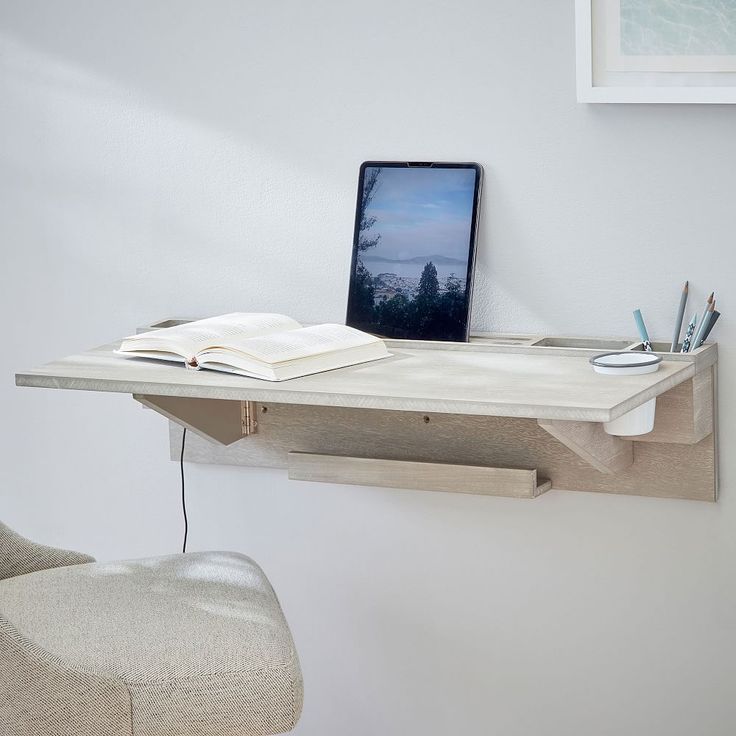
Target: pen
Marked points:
678	319
642	330
708	305
711	324
689	333
695	343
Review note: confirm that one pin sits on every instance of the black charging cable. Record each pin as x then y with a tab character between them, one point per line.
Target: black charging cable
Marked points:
183	494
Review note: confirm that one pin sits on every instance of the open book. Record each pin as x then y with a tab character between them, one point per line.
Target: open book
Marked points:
270	346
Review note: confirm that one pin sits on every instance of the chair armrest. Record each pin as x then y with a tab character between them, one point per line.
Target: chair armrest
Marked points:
19	556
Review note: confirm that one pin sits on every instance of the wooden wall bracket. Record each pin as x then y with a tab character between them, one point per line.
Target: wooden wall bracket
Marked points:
588	440
222	422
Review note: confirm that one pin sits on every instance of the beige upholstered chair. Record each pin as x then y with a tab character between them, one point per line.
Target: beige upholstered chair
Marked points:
187	645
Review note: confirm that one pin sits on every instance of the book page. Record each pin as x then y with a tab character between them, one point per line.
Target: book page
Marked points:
229	362
300	343
193	337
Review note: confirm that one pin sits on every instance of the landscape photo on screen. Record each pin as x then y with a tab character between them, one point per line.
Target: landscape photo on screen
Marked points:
413	245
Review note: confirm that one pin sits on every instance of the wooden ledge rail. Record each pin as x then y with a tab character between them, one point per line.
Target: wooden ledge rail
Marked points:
487	481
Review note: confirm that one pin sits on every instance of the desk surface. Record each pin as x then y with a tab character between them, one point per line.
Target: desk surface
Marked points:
428	380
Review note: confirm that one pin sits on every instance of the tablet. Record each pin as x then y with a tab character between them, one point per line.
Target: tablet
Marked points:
414	249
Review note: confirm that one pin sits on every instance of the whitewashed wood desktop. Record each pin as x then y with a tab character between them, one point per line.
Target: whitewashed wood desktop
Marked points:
444	381
436	403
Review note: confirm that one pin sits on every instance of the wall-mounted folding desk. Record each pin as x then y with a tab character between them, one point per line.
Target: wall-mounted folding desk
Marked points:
503	415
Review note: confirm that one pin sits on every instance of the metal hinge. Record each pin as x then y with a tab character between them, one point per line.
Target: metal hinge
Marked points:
248	422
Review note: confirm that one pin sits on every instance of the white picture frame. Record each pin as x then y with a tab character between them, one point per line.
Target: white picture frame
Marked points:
681	84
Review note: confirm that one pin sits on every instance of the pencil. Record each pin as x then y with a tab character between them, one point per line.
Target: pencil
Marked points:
689	333
642	330
711	324
679	317
707	317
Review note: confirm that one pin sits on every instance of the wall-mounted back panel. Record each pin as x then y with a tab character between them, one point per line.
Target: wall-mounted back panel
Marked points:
661	469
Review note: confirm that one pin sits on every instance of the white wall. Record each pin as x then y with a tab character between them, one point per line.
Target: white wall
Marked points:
188	158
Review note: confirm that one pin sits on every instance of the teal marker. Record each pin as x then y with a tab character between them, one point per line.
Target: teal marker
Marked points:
643	334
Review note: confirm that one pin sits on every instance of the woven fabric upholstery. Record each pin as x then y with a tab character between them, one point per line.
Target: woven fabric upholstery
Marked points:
187	645
40	696
19	555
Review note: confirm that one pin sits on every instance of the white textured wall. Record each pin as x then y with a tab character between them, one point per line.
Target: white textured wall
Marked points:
189	158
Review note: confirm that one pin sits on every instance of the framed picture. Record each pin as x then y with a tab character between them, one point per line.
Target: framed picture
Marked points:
414	249
664	51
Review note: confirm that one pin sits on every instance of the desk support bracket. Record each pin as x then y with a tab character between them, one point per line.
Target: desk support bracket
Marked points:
588	440
220	421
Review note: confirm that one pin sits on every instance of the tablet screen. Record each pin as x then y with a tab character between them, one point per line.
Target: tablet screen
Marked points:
413	250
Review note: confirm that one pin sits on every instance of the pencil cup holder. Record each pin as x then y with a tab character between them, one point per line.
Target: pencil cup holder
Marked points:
639	420
636	421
